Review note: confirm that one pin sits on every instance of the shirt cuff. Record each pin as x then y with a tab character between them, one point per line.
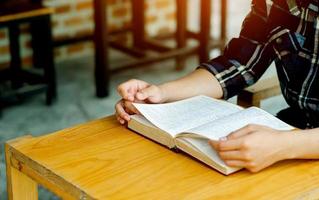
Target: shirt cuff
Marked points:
214	72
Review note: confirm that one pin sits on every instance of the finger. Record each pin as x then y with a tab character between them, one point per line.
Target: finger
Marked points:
119	108
214	144
122	121
126	91
120	111
236	163
131	94
119	119
229	145
150	93
231	155
242	131
130	107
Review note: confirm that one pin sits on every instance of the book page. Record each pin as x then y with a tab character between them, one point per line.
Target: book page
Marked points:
203	146
224	126
141	125
199	148
180	116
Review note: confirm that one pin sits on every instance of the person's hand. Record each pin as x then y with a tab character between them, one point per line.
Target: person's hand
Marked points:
253	147
135	91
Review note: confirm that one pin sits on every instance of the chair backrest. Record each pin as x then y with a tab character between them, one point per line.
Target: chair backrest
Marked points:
14	6
7	2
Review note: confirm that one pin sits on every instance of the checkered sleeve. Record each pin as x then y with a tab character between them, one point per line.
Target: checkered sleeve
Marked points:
246	58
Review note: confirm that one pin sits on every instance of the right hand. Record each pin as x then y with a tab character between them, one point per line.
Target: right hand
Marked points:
135	91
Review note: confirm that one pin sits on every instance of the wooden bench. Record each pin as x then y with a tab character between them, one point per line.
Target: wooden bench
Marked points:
103	160
263	89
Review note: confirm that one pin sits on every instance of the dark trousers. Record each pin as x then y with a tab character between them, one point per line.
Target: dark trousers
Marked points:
299	118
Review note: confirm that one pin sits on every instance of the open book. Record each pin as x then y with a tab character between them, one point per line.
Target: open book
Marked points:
189	124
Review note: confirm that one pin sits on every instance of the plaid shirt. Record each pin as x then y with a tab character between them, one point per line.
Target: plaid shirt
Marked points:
284	31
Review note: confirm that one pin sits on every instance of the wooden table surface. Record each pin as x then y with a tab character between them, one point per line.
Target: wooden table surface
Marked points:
103	160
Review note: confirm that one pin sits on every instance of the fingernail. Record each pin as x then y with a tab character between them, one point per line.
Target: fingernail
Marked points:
223	139
127	118
122	121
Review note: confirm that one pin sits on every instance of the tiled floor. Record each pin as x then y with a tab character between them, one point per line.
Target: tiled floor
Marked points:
77	103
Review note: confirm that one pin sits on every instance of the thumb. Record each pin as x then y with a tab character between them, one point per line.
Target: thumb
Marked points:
150	93
242	132
214	144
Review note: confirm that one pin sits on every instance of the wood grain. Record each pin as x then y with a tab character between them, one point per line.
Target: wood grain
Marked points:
103	160
19	185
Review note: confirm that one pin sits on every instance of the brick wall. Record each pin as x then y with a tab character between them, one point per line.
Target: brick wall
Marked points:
74	17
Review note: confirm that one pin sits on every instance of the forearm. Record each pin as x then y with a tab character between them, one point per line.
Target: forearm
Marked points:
303	144
199	82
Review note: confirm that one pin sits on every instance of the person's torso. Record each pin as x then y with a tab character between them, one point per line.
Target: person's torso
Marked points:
294	36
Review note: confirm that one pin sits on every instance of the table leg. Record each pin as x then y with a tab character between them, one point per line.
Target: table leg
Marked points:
19	185
205	24
102	72
181	31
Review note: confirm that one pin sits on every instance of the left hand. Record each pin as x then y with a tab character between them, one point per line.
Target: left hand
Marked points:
253	147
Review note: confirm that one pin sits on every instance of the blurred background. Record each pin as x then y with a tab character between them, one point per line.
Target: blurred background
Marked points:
60	67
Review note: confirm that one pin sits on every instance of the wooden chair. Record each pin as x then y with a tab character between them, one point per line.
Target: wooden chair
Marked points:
25	82
142	43
104	39
263	89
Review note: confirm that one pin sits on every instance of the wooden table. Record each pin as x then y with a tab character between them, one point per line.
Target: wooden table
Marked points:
103	160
